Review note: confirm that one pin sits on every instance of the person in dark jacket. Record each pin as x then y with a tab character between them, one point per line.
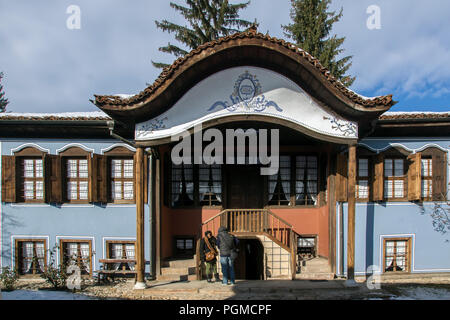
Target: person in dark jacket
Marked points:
227	245
211	266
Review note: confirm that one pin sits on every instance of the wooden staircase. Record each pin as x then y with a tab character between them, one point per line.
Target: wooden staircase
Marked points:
178	270
256	222
315	269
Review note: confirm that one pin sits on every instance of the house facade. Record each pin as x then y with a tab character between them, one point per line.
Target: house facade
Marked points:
356	189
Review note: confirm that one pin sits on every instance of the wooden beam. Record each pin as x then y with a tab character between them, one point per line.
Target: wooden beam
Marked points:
157	192
351	213
140	256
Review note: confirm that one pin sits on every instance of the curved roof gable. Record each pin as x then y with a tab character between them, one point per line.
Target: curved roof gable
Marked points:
246	48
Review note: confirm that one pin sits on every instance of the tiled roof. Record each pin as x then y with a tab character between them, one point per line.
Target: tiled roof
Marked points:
414	115
168	72
68	116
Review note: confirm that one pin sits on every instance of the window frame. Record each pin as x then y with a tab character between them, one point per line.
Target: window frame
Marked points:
22	179
408	255
279	185
111	179
75	153
429	178
369	178
18	263
185	252
211	180
394	178
109	243
63	242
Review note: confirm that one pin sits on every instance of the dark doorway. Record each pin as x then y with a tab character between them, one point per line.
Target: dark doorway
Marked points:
244	187
250	263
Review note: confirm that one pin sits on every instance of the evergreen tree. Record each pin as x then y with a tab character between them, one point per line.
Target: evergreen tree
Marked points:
310	29
3	101
208	20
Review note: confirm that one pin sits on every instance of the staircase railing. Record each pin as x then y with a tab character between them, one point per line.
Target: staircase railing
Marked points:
256	221
251	221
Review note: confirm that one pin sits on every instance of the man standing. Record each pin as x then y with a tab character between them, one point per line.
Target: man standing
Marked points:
227	245
208	253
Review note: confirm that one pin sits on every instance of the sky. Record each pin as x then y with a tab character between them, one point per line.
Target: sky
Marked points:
51	68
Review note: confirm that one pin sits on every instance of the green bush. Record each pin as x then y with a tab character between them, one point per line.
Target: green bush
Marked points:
8	278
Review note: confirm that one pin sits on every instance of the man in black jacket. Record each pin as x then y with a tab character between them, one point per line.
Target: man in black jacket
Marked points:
211	266
227	245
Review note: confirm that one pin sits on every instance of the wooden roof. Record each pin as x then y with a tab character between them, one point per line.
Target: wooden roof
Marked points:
247	48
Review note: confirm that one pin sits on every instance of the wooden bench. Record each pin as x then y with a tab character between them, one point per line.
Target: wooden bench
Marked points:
105	272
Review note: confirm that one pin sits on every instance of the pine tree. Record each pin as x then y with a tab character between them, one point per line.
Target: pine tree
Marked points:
3	101
208	20
310	29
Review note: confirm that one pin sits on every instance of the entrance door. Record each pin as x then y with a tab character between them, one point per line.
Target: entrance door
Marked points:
244	187
249	264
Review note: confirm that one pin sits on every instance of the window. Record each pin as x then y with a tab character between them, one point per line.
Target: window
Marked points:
280	184
184	246
77	179
427	179
306	246
362	183
122	180
117	250
306	180
182	185
395	179
78	252
210	185
31	256
32	175
397	255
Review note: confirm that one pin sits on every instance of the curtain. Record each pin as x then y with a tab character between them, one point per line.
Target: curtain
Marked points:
27	254
116	253
176	183
72	253
129	250
389	254
84	248
189	180
217	181
300	190
40	255
203	181
272	186
285	174
401	255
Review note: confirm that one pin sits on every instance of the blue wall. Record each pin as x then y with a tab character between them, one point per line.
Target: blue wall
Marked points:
376	221
88	221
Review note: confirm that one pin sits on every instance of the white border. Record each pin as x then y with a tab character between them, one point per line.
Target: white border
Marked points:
104	239
32	145
102	151
392	145
81	238
70	145
13	248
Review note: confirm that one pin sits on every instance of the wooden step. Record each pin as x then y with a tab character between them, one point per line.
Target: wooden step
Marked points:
182	263
178	271
173	277
315	276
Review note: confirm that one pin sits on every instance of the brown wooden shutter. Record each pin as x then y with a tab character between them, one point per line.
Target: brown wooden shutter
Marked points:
101	177
56	179
166	180
9	193
439	176
378	178
91	183
47	177
342	178
414	177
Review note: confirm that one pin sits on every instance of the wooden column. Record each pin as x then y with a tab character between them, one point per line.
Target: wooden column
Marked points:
351	213
140	256
157	192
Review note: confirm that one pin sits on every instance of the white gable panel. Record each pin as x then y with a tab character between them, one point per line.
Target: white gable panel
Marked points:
244	91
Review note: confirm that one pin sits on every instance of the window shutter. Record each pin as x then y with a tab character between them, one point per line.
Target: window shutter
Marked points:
9	179
414	177
47	177
101	178
341	178
378	179
92	182
55	185
439	176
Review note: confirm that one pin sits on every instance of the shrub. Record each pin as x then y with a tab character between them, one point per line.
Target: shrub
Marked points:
9	278
55	275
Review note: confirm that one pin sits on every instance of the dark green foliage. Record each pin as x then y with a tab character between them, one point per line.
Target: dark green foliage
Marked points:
3	101
310	29
208	20
55	275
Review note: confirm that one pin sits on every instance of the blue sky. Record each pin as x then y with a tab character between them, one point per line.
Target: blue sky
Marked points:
49	68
